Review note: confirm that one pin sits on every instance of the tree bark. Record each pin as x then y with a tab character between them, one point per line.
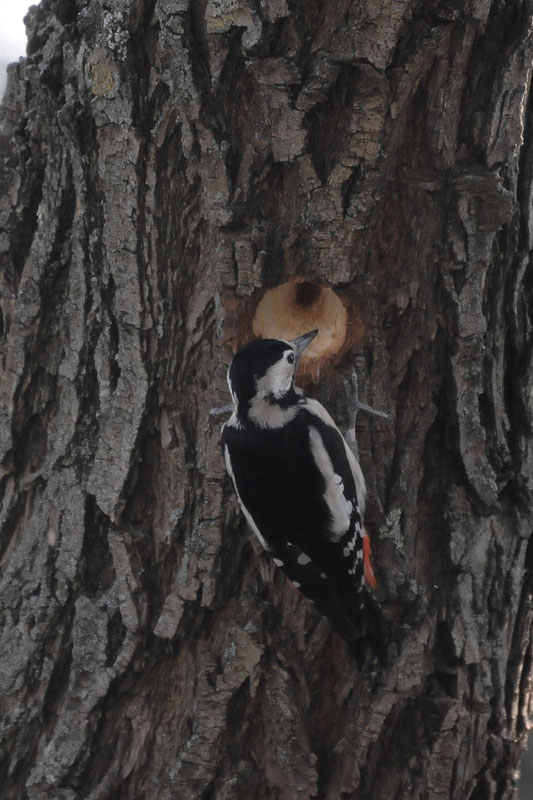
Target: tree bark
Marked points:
163	164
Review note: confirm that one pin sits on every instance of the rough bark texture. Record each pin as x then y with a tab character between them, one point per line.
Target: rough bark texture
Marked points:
164	163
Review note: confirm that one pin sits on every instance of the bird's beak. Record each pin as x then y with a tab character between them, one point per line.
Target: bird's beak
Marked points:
301	342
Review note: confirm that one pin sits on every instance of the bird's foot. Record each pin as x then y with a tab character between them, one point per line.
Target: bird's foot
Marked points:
217	411
354	405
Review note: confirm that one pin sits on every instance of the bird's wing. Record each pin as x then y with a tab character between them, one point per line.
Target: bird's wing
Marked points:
344	456
249	518
327	595
298	492
340	495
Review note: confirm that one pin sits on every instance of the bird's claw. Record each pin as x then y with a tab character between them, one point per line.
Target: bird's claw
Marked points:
351	388
375	412
354	405
217	411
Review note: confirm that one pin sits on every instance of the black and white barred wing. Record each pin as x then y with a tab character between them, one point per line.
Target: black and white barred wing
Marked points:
344	492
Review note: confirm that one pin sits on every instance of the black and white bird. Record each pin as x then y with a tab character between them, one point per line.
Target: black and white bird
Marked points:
299	485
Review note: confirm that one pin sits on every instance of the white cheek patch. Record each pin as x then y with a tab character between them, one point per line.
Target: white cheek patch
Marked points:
277	379
274	384
340	508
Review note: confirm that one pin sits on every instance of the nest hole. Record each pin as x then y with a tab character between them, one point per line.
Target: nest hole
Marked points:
297	307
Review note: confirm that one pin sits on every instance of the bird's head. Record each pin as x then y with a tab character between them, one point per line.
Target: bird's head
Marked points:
264	369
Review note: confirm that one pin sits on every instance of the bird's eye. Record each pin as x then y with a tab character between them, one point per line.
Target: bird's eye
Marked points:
290	358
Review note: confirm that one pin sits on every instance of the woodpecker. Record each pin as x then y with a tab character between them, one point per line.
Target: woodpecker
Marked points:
300	486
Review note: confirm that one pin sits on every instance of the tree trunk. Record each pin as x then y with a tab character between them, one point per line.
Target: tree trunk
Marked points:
164	163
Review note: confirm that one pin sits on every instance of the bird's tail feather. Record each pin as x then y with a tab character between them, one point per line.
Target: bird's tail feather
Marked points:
358	625
377	631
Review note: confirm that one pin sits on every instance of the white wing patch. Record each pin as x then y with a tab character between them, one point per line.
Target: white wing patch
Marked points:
249	518
340	508
318	410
